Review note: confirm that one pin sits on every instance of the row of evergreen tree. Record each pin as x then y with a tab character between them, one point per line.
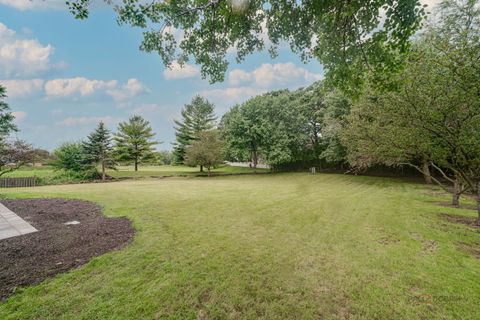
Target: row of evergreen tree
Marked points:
133	142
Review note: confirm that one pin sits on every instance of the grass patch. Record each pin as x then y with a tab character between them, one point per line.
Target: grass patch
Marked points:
47	175
284	246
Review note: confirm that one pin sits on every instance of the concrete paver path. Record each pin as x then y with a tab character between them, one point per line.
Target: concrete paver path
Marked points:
12	225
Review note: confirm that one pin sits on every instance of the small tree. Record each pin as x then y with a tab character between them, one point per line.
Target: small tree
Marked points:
98	148
134	141
71	158
206	151
13	155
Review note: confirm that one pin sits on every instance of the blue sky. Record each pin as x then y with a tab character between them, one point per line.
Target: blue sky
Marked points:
64	75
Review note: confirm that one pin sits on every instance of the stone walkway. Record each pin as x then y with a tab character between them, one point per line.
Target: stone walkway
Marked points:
12	225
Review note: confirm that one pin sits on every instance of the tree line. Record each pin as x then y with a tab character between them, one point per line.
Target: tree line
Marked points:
425	116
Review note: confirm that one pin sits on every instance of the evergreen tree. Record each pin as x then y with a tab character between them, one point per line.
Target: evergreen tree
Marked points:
98	148
133	141
197	117
6	118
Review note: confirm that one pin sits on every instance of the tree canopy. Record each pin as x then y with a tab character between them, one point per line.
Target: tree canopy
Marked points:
347	37
7	125
98	148
207	151
197	116
134	141
434	115
287	127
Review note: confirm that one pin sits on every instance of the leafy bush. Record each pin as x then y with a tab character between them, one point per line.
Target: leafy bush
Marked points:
73	163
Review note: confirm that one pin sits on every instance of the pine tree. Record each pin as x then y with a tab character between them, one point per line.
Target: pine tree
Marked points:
7	125
197	117
133	141
98	148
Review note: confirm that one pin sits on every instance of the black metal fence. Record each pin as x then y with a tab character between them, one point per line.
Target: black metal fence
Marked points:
17	182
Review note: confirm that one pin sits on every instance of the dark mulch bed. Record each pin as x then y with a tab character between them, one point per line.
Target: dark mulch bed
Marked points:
56	247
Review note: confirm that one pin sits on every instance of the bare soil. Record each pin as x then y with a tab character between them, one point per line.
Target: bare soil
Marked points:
468	221
56	247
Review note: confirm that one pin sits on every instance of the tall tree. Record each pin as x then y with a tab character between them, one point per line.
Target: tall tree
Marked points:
16	153
272	127
134	141
7	125
207	151
98	148
243	132
348	37
197	116
435	114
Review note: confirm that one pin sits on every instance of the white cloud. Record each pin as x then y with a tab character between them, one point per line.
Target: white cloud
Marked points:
23	57
33	4
131	89
86	121
267	77
76	86
22	88
274	75
176	71
19	115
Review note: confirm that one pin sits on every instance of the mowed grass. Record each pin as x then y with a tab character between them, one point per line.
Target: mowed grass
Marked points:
144	171
160	171
284	246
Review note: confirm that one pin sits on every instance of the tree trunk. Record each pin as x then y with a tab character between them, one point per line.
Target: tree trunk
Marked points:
209	173
426	172
456	193
136	165
254	158
201	169
103	171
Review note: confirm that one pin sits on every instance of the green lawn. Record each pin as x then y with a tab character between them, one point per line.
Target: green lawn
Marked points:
143	172
158	171
286	246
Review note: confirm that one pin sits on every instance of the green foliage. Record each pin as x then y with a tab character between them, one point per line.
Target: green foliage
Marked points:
197	116
133	141
72	160
283	127
337	108
6	117
206	152
347	37
98	148
435	114
164	157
